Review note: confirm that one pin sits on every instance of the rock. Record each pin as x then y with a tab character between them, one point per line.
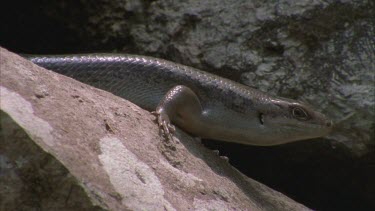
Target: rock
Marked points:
68	146
288	47
317	51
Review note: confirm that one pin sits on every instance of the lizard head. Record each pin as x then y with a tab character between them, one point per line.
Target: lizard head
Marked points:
287	120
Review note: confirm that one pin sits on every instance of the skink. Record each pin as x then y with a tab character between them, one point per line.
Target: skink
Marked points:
198	102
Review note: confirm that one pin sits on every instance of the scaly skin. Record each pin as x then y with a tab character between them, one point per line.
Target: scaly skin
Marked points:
198	102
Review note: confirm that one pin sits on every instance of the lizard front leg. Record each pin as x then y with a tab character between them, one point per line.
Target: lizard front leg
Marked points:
182	107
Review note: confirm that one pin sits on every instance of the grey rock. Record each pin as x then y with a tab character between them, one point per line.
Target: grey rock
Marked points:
67	146
321	52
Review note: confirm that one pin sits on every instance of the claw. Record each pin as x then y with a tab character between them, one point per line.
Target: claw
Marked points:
164	124
171	128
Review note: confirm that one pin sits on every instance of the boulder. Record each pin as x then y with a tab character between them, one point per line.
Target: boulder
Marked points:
68	146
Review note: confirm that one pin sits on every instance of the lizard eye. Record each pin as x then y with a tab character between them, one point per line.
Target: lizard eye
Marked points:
300	113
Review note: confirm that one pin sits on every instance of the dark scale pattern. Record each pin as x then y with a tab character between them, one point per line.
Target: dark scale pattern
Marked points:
145	80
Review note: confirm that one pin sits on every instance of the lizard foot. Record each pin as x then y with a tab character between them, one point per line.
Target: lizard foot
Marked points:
164	123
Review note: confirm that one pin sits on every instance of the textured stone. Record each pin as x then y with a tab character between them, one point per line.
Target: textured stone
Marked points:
317	51
67	146
321	52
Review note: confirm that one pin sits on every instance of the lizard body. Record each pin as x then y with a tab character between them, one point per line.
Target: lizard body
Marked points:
198	102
